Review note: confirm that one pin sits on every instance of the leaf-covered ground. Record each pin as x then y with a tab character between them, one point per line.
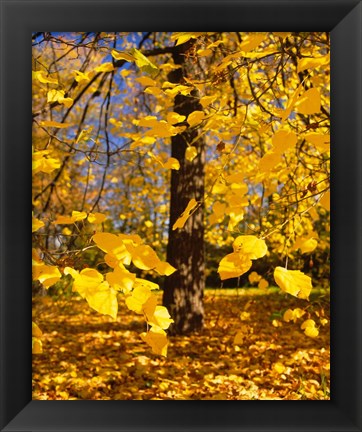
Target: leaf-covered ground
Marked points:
89	356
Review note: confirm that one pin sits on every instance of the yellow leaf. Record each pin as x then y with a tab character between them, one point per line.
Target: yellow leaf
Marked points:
320	141
195	118
37	346
263	284
162	130
90	285
291	102
121	279
312	62
251	246
164	268
311	332
155	91
173	118
309	327
191	153
239	338
279	367
50	123
293	282
143	62
172	163
251	41
87	279
77	216
283	140
63	220
157	315
147	284
43	163
191	206
288	315
308	245
309	102
103	300
233	265
121	55
254	277
156	338
36	332
105	67
59	96
293	314
204	52
143	257
113	245
81	77
46	275
183	37
36	224
325	200
146	81
41	77
207	100
269	161
138	298
96	218
184	90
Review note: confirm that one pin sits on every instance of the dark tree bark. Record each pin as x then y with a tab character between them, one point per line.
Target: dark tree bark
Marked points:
183	290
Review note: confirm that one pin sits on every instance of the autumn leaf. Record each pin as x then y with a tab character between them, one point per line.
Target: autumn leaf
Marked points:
254	277
309	102
156	338
113	245
251	246
96	218
191	153
325	200
105	67
43	78
293	282
312	63
191	206
293	314
36	224
143	257
54	124
81	77
121	55
195	118
263	284
157	316
310	329
183	37
138	298
89	283
47	275
233	265
283	140
121	279
59	96
143	62
164	268
308	246
43	163
251	42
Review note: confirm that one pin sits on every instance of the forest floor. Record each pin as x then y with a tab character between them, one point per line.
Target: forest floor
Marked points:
88	356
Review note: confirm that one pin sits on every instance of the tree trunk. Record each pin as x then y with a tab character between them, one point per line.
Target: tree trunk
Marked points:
183	290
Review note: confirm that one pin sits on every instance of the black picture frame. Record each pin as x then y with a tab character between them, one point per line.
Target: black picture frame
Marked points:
18	20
